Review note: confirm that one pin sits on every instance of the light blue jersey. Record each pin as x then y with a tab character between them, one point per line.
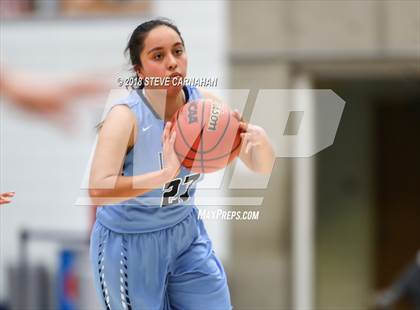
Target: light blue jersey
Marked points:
160	208
153	252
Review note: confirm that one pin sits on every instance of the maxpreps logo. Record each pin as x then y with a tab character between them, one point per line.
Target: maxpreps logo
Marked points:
299	123
216	109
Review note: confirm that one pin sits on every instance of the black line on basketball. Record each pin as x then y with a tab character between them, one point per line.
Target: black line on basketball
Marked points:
212	148
182	135
210	159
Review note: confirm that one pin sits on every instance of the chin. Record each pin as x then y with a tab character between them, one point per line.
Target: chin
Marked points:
173	90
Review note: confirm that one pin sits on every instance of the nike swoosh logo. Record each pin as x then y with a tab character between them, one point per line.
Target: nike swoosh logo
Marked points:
146	128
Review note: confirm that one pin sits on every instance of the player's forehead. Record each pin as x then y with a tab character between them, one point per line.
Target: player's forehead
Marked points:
161	37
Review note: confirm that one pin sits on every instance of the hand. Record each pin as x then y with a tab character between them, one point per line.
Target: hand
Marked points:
6	197
253	136
171	164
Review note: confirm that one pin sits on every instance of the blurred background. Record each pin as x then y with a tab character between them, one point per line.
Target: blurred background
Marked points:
338	230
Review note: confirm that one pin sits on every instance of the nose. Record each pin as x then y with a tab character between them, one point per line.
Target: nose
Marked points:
171	63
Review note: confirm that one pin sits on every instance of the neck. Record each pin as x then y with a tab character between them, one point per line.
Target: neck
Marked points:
165	105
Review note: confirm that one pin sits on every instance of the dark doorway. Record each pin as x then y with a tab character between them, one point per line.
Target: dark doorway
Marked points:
397	206
368	193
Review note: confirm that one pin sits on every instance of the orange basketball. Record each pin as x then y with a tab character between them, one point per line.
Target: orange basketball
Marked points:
207	135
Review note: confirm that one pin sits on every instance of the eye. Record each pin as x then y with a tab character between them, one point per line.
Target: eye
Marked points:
157	56
179	51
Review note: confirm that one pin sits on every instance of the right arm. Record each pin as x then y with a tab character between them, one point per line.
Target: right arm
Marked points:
117	134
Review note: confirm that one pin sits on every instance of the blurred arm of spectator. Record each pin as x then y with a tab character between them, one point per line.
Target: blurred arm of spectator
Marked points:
47	98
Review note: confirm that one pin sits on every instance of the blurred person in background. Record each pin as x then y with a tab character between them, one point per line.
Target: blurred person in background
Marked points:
406	286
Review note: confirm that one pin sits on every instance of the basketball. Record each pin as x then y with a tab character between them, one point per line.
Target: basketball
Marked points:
207	135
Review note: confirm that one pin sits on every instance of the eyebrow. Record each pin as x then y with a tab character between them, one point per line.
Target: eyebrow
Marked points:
160	47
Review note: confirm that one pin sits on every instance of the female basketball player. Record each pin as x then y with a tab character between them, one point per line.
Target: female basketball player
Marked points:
149	249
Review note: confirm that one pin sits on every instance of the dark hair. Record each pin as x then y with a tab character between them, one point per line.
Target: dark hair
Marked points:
136	43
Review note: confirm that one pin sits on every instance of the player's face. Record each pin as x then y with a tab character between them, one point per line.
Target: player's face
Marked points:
163	56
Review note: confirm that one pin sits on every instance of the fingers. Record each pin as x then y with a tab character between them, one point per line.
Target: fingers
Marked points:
170	159
251	138
236	114
252	130
250	143
247	129
245	139
168	139
166	131
172	139
248	147
8	194
6	197
244	126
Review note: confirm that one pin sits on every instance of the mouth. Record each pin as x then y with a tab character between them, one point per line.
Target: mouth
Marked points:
176	79
176	74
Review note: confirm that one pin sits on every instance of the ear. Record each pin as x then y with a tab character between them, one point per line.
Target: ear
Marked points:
139	71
